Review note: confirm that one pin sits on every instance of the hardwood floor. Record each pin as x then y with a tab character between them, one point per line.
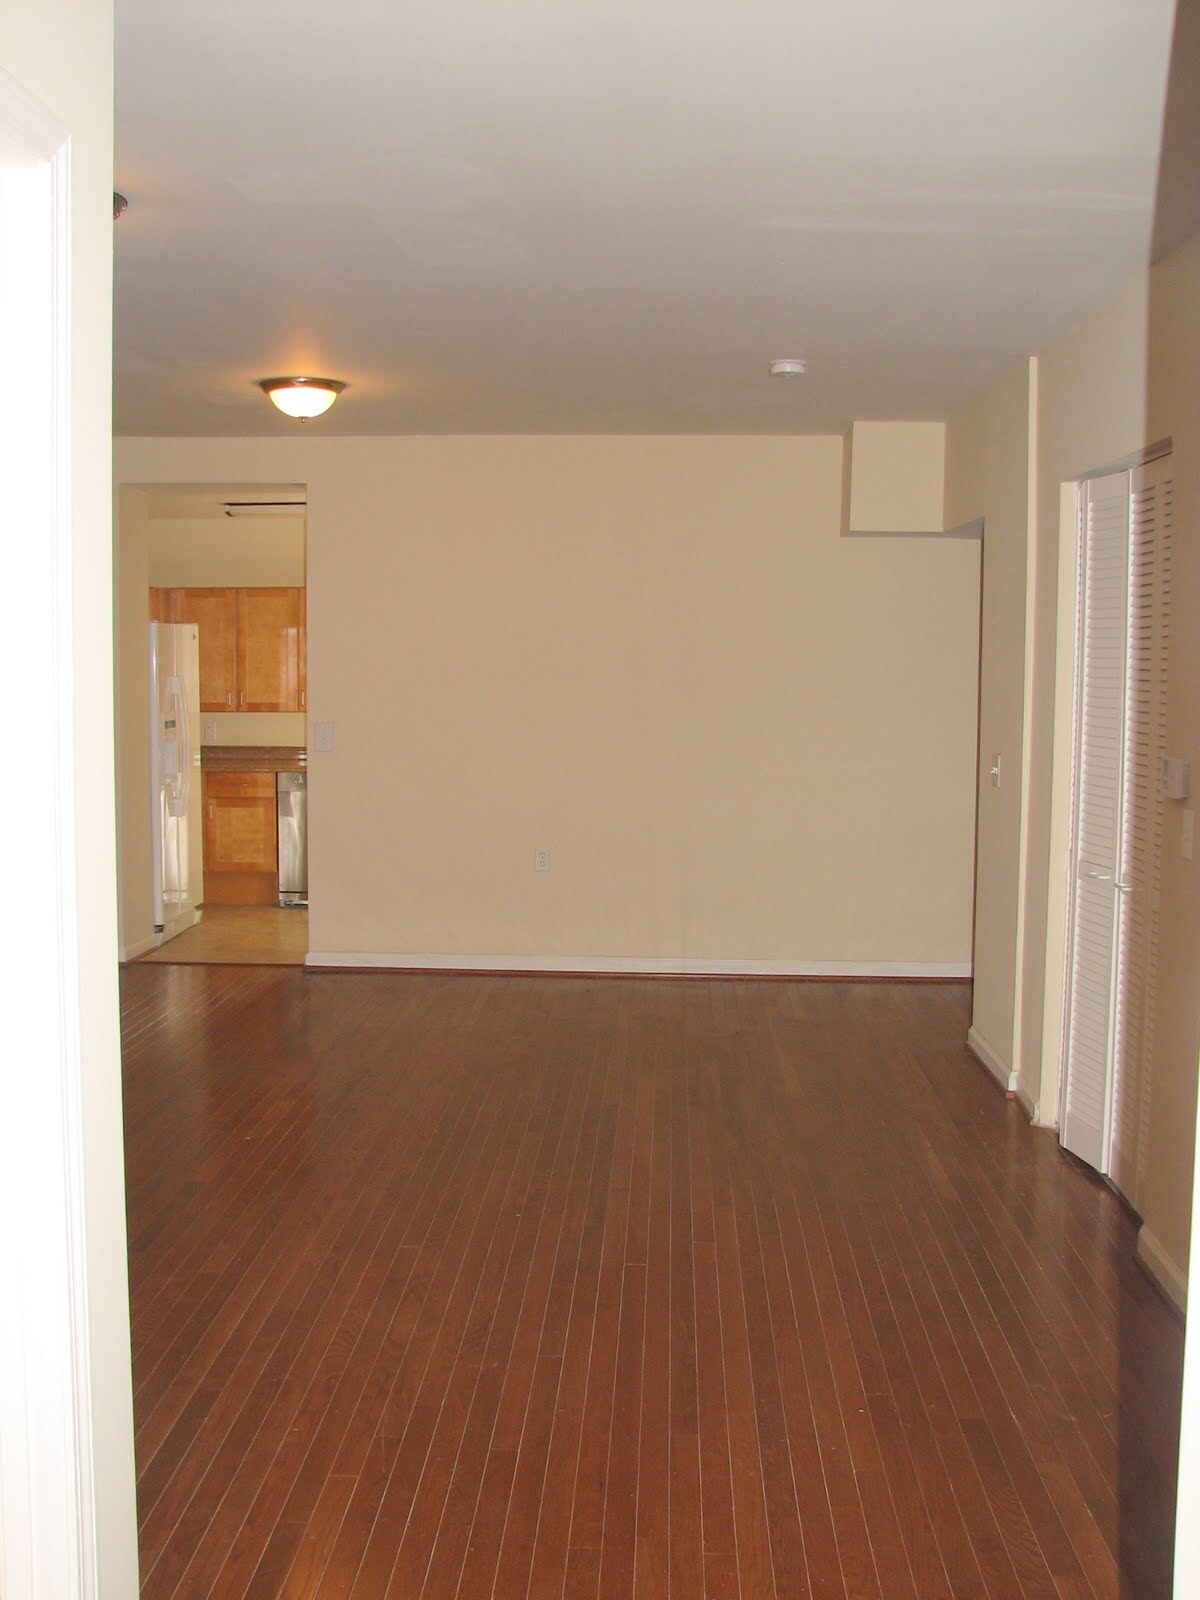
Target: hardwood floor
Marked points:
455	1286
271	936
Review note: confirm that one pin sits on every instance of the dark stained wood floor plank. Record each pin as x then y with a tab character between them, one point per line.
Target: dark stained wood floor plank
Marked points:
448	1287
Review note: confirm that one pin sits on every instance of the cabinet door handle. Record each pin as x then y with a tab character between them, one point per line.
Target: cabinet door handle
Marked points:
242	698
229	698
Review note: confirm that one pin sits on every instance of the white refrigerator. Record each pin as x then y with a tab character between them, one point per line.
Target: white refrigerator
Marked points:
178	859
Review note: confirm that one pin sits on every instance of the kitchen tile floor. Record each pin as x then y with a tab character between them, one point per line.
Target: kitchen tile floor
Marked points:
254	936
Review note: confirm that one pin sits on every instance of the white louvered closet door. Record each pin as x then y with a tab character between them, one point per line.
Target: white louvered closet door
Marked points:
1140	862
1124	589
1099	742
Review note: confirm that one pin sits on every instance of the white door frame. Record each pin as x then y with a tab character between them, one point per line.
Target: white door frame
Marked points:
1058	897
47	1461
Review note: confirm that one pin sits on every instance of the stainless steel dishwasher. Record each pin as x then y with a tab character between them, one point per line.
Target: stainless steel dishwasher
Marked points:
291	811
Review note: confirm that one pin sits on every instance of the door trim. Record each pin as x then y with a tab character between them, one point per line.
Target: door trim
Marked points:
48	1536
1058	888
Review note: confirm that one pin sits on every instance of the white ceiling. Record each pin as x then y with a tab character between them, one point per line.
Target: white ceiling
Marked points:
581	216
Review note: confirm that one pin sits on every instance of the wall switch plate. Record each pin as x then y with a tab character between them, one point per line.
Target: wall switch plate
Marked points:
1176	778
994	769
323	737
541	860
1187	834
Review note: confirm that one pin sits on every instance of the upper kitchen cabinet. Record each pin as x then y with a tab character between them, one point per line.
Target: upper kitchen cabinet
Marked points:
215	612
268	650
252	644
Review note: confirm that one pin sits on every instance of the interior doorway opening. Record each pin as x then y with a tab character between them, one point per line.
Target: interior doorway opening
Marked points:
214	576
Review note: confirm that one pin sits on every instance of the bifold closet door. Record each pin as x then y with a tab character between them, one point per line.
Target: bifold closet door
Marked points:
1140	859
1124	605
1099	774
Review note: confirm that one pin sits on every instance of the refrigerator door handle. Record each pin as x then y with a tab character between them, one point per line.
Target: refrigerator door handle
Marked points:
181	781
185	753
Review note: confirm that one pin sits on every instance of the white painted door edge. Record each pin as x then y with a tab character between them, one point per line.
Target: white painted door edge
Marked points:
48	1542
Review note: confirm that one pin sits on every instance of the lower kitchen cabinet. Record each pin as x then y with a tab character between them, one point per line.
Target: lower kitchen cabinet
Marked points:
240	864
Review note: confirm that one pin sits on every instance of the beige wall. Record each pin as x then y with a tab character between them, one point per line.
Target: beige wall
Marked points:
896	477
741	736
1123	379
987	475
254	728
60	51
226	552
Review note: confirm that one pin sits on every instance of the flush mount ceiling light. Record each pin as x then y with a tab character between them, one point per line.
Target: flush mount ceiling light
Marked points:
120	205
789	367
301	398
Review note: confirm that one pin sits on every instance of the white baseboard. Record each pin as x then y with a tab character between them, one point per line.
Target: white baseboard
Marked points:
133	951
999	1068
1170	1278
1027	1103
639	966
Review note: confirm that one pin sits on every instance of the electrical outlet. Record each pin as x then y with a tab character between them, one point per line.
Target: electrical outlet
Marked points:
541	860
208	731
323	735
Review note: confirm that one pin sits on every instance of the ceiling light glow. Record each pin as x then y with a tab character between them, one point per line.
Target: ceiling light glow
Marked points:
301	398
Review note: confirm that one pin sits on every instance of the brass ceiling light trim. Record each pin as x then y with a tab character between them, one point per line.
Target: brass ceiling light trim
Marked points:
301	398
120	205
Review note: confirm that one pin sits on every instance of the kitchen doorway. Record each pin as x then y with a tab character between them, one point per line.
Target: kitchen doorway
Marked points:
218	570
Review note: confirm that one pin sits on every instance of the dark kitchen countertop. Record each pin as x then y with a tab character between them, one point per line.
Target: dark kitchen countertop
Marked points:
253	758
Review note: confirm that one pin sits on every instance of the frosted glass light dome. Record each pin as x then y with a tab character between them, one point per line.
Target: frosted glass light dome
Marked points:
302	398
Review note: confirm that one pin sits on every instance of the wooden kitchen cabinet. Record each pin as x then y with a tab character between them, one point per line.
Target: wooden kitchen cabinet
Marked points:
253	644
268	631
215	613
240	864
